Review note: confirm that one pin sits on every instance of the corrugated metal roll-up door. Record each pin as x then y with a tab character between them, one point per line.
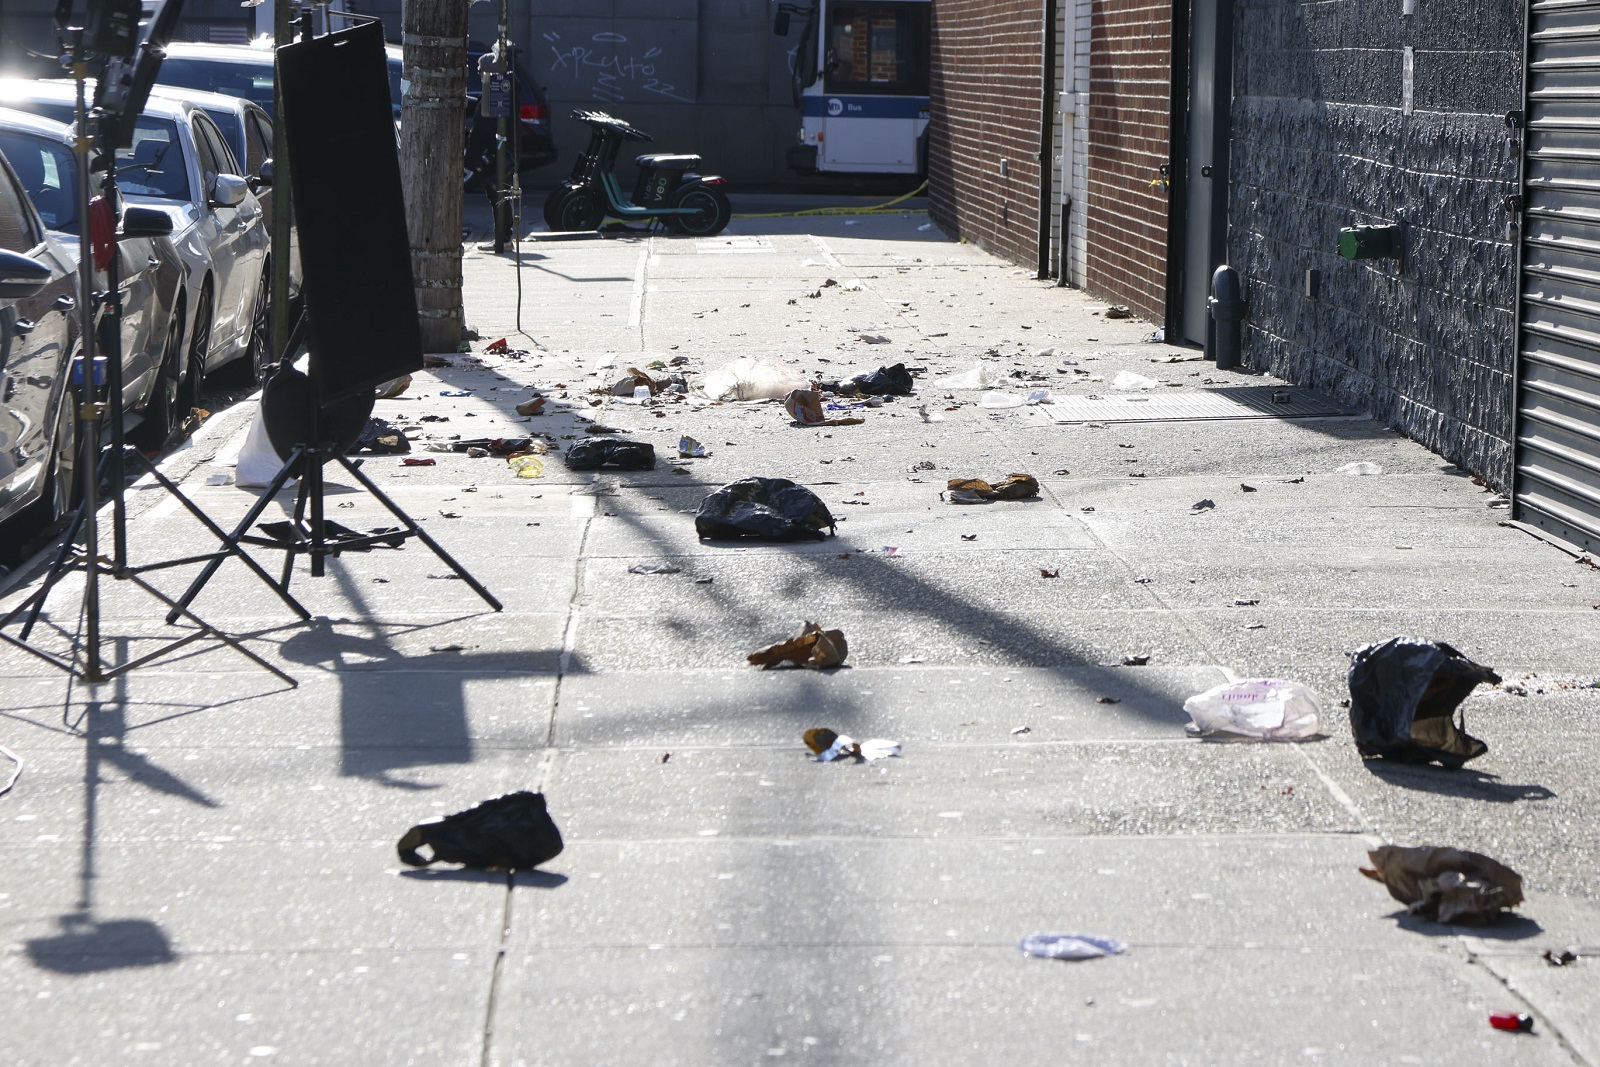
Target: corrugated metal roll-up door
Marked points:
1557	484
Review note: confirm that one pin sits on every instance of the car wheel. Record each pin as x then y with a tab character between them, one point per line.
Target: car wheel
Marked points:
552	206
260	351
65	486
708	212
164	413
199	349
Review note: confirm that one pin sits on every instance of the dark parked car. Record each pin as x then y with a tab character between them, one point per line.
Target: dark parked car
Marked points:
150	272
246	71
38	339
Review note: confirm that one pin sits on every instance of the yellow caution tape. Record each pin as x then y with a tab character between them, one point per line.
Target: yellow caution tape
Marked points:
886	208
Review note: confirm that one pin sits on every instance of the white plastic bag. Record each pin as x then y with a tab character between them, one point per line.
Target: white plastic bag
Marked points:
979	377
1259	709
259	462
1126	381
751	378
1000	400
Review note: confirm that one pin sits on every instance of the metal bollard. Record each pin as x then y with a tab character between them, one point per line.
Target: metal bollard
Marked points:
1227	310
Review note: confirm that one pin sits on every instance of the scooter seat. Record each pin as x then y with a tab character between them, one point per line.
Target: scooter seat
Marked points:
665	161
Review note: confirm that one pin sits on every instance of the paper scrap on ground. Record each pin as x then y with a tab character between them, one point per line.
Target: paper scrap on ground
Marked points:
1070	946
1447	885
979	377
815	648
829	746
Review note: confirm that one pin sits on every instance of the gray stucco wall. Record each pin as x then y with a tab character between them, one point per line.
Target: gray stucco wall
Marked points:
1320	142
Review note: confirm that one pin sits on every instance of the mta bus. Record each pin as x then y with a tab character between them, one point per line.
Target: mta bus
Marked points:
861	84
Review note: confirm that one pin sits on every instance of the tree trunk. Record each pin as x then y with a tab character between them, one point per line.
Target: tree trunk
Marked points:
432	117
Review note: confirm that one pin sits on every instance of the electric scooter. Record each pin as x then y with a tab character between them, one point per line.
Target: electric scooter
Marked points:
669	190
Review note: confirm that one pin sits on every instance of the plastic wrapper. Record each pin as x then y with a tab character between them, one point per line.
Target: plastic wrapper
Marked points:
1259	709
1127	381
979	377
1070	946
513	832
751	378
885	381
1404	694
1447	885
772	509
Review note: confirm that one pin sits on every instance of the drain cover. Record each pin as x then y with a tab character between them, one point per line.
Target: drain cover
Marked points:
1243	402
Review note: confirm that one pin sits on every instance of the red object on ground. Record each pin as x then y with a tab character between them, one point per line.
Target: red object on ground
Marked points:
418	461
497	347
1511	1020
102	231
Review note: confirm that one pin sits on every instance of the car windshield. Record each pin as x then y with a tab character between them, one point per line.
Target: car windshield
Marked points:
154	165
49	176
252	81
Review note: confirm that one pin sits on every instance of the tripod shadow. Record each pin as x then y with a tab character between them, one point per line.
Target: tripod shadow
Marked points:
86	945
1465	783
398	712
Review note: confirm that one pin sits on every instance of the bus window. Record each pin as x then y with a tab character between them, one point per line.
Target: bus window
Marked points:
877	48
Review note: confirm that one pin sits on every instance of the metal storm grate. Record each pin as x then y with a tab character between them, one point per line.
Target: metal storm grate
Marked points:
1244	402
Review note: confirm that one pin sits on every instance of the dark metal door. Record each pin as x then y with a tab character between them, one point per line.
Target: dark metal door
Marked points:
1557	481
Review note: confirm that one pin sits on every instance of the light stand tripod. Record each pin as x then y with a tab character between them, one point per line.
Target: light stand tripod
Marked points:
93	404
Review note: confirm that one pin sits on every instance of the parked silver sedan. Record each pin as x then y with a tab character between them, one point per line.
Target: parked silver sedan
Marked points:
38	338
180	163
150	270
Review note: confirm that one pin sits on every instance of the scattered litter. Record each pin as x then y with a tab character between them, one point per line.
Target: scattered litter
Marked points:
773	509
16	771
380	438
393	388
418	461
496	348
1127	381
525	465
872	338
805	408
1001	400
592	453
1559	959
1245	601
689	448
885	381
969	537
1108	700
510	832
535	406
492	446
1202	505
978	491
1260	709
1516	1022
654	568
1158	337
929	416
455	392
1017	731
1118	311
1138	659
750	378
979	377
829	746
1359	469
1070	946
1040	396
437	361
1196	358
1402	695
1243	488
815	648
1049	574
1447	885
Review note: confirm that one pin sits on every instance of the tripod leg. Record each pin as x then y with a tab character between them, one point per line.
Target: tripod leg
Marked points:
229	545
394	509
58	567
239	531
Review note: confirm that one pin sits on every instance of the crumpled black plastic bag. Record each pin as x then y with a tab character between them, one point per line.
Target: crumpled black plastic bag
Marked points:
1403	693
382	438
592	453
885	381
513	832
773	509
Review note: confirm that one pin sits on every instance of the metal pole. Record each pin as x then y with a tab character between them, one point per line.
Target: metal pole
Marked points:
282	231
88	391
501	203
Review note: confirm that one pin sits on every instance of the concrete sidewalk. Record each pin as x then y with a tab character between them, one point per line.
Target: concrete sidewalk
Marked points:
202	860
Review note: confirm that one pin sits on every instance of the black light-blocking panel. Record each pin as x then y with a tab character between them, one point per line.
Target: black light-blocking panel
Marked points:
350	211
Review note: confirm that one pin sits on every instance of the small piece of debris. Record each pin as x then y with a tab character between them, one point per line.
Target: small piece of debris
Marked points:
1138	660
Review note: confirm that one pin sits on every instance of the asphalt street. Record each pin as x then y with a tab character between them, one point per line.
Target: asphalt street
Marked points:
201	859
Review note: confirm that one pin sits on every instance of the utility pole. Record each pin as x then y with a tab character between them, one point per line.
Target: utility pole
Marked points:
432	117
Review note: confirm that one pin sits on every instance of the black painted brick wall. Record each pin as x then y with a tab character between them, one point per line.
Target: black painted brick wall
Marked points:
1320	143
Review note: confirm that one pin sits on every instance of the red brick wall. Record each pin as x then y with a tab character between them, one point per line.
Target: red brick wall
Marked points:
985	88
1130	85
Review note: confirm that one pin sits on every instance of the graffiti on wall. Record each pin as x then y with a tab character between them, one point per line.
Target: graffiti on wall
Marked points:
610	68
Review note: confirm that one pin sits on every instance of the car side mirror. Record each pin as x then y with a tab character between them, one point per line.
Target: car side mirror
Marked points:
263	178
228	190
780	23
21	277
145	222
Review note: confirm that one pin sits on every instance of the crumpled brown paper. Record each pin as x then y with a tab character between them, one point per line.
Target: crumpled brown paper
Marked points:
1447	885
815	647
805	408
1015	487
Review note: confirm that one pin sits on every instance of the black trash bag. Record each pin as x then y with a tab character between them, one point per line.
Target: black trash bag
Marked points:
509	833
773	509
592	453
381	438
885	381
1403	693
